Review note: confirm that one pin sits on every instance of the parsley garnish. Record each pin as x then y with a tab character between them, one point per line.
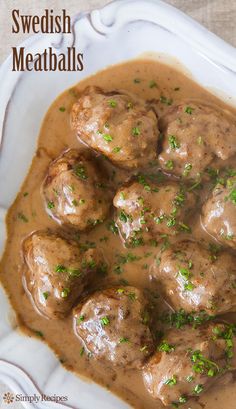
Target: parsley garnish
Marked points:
105	321
166	347
174	144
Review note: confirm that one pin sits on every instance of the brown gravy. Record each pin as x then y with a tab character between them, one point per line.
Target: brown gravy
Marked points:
28	214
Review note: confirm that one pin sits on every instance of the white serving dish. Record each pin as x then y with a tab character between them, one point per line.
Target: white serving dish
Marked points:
122	30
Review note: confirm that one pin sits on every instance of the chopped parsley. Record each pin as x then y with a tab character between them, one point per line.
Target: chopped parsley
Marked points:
62	109
107	137
65	292
74	202
80	171
173	142
152	84
112	103
198	389
105	321
112	227
166	347
189	110
203	365
123	340
38	333
165	100
187	169
123	216
169	164
171	381
136	131
82	351
117	149
183	399
181	318
46	295
232	196
22	217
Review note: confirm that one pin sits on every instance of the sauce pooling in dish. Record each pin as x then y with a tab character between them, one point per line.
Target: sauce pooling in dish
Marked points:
127	267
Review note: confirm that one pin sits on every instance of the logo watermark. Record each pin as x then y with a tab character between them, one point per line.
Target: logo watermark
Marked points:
10	397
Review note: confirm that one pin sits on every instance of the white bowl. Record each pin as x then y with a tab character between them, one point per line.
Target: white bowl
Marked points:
122	30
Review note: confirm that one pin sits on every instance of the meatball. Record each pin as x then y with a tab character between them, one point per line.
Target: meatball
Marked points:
194	134
219	213
146	210
57	272
189	361
74	191
113	324
195	279
117	124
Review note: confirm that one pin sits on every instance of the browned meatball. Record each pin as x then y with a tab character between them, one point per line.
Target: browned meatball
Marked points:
147	210
195	279
219	213
113	326
57	272
189	361
194	133
117	124
74	191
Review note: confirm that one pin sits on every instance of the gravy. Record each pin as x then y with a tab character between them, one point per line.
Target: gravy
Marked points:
150	80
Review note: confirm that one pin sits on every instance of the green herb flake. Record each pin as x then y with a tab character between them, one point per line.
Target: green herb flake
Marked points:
132	296
123	216
107	137
80	172
152	84
198	389
74	202
187	169
62	109
105	321
166	347
39	333
165	100
46	295
169	164
82	351
65	292
112	103
144	349
173	142
60	269
171	381
123	340
189	110
22	217
117	149
112	227
183	399
232	196
136	131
